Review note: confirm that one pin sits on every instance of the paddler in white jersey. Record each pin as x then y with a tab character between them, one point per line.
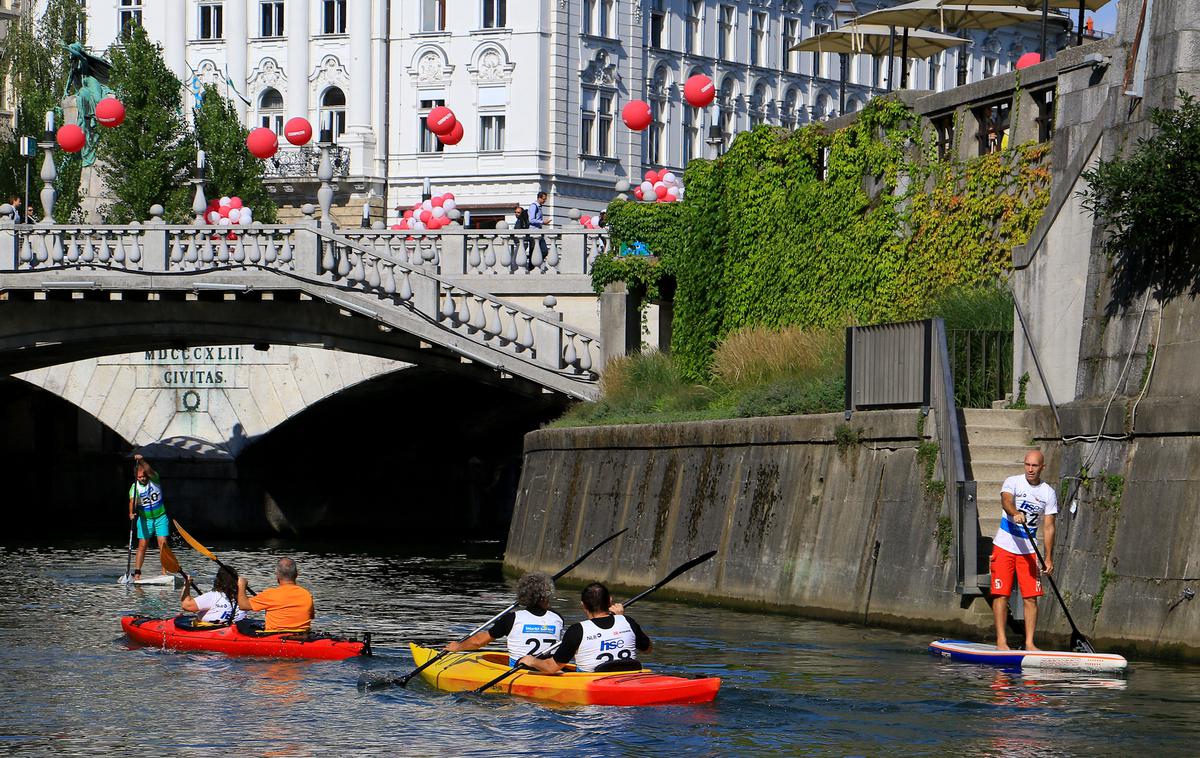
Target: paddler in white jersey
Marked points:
607	640
1029	504
532	629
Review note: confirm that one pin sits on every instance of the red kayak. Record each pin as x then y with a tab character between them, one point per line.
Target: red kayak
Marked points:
179	634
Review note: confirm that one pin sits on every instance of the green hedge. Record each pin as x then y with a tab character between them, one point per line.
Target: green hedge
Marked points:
762	239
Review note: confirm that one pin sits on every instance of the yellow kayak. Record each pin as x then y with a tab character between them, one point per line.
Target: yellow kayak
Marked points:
459	672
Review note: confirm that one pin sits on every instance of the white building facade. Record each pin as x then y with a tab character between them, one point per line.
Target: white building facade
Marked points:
538	84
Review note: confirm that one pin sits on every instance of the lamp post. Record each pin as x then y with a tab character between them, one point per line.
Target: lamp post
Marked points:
199	203
716	139
325	175
49	172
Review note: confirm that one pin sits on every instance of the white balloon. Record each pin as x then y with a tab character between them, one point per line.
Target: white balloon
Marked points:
669	178
450	204
235	215
214	217
439	212
247	215
417	226
225	201
659	184
673	192
225	222
680	195
647	188
427	205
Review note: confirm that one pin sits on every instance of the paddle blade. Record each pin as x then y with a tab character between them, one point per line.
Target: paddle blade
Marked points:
1080	643
169	561
125	579
201	549
583	557
693	563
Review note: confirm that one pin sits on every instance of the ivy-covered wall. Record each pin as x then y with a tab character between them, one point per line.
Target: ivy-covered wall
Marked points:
808	228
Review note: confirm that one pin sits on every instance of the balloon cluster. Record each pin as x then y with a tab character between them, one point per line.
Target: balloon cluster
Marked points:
110	112
428	215
590	222
659	187
228	211
443	123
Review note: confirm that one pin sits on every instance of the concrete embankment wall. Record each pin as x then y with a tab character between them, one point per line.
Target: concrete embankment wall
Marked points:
800	522
847	532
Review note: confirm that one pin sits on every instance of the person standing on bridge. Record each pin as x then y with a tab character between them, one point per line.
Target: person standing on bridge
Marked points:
530	629
1027	501
147	506
289	606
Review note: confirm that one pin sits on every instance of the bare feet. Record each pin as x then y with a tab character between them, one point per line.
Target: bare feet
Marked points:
1002	645
1031	646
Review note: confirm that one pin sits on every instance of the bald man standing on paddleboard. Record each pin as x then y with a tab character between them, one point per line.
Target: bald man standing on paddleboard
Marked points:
1029	503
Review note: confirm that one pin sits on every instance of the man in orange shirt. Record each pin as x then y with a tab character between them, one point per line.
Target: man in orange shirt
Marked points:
289	606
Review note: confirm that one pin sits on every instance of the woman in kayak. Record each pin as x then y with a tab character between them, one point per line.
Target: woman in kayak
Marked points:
532	628
218	606
607	640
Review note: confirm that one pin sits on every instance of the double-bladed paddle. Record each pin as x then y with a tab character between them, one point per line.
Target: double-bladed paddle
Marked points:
202	550
685	567
171	563
1079	643
403	681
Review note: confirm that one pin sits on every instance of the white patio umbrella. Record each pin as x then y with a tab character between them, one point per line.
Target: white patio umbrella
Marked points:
1044	7
944	16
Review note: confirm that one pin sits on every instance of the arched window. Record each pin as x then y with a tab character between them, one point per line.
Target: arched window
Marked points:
333	111
656	144
758	104
852	105
725	100
692	123
822	109
791	99
270	110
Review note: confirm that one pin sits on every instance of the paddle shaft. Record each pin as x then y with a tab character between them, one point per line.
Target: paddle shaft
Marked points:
1076	634
685	567
202	550
404	680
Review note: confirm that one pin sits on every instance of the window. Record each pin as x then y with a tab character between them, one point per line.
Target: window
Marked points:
433	19
270	110
333	111
658	19
935	72
604	127
604	23
495	16
758	39
989	68
819	58
211	20
790	101
759	102
944	126
654	147
596	123
993	127
491	133
725	34
879	65
270	18
589	15
129	14
333	17
791	38
691	133
725	102
693	42
1045	117
429	141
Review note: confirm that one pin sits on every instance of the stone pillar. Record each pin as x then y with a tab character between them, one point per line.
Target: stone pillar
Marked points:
620	323
359	137
297	59
175	40
237	33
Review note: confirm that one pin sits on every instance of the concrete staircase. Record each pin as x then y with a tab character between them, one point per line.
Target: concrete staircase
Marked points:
997	441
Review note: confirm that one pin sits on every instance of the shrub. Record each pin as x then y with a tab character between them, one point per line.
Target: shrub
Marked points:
759	355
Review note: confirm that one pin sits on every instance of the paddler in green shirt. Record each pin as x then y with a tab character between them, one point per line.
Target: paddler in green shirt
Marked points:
146	505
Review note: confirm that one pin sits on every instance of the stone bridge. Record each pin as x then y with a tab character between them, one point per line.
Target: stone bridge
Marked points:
499	305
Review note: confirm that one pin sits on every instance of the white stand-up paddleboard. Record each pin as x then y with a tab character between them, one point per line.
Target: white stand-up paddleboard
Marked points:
975	652
161	579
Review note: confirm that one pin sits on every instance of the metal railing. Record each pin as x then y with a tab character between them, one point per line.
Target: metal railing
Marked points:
982	365
302	163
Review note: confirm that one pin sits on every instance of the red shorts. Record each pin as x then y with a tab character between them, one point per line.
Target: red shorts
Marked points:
1004	564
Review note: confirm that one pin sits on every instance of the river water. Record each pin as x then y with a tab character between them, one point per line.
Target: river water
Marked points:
73	685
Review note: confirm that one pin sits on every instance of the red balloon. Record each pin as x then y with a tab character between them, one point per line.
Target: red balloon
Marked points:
408	214
71	138
454	137
262	142
397	227
652	176
441	121
426	216
448	196
636	115
1027	60
637	192
223	211
661	192
438	201
699	91
235	202
110	112
297	131
668	198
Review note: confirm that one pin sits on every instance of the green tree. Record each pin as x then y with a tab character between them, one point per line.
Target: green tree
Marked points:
147	160
230	169
36	63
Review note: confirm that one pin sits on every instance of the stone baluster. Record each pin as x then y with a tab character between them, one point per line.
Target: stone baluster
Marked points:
406	290
489	254
585	354
478	317
569	355
373	278
448	308
549	335
492	327
325	175
389	278
509	334
464	310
